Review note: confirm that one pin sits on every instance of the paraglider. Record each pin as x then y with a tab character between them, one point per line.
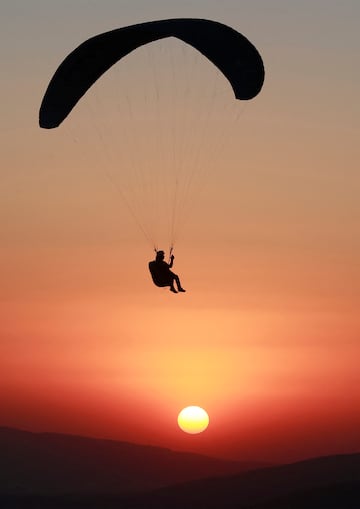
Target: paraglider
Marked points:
162	275
232	54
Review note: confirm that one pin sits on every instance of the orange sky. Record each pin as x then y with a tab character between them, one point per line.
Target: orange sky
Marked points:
266	338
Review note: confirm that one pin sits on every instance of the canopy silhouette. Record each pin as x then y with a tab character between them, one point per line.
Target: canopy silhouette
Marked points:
227	49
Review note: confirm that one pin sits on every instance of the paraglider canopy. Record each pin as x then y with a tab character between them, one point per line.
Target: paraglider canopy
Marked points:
157	124
227	49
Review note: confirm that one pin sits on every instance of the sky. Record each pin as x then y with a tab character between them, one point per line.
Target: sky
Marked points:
267	336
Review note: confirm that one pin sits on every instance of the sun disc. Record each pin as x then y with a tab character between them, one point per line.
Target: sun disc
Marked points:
193	419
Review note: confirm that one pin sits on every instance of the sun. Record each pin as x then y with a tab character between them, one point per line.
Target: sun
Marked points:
193	419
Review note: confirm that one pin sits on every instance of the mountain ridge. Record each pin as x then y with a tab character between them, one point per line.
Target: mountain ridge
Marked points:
56	463
52	470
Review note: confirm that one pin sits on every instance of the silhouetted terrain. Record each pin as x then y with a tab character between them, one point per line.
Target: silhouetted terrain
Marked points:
335	496
51	471
51	464
320	481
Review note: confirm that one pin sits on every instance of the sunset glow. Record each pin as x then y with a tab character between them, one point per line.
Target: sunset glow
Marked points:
266	337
